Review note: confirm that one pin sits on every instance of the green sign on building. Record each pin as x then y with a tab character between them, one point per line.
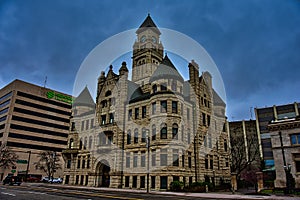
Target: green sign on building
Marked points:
22	161
59	97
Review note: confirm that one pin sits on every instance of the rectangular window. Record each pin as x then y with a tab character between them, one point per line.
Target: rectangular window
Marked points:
163	158
190	160
129	114
143	159
127	160
142	182
175	157
153	158
206	163
188	113
174	107
153	108
163	182
163	106
82	125
111	118
134	181
77	180
78	162
136	113
144	112
211	164
88	162
203	119
208	120
68	164
153	182
92	123
182	160
86	124
103	119
83	163
135	158
295	139
127	178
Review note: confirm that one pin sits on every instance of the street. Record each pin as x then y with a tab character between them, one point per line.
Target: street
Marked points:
45	192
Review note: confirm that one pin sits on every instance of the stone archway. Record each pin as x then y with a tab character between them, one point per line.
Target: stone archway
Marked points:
103	174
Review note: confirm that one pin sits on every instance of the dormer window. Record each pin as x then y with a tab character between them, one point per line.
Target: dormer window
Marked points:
154	88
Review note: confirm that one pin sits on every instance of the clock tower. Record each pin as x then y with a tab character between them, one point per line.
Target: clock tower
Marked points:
147	52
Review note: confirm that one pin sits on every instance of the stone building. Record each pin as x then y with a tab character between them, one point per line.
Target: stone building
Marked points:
151	130
285	139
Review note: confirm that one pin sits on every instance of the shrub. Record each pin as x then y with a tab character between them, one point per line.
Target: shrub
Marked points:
176	186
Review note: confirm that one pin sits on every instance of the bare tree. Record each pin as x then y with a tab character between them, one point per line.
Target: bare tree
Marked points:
242	156
48	162
8	158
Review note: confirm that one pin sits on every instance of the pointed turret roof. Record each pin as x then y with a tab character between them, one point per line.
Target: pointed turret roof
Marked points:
166	69
84	99
148	23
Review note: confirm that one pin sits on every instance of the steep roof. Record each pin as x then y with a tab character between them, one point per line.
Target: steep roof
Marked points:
217	99
84	99
166	69
148	23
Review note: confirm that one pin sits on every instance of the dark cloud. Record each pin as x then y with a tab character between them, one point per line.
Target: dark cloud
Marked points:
254	43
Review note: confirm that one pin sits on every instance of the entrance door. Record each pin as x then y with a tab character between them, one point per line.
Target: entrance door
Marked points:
105	176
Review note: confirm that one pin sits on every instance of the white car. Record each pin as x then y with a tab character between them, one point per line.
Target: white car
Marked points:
55	180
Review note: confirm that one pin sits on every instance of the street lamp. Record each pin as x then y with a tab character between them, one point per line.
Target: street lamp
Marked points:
148	157
28	161
287	168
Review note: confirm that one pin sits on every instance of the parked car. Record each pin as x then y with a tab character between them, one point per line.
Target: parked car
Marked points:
45	179
12	180
55	180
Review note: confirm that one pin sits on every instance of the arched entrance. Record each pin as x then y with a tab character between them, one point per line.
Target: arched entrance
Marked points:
103	177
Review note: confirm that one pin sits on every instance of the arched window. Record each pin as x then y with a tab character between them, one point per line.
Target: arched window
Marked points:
90	142
85	143
143	135
108	93
153	132
175	131
154	88
71	143
188	136
163	131
136	136
128	137
182	133
80	144
174	85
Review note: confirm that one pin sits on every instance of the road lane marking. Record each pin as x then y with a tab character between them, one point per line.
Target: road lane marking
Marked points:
36	192
8	194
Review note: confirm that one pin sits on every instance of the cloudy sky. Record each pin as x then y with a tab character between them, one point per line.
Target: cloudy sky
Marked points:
254	43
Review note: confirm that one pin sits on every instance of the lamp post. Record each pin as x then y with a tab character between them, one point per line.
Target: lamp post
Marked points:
287	168
28	161
148	157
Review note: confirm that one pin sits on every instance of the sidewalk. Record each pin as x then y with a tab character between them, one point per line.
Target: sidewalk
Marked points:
212	195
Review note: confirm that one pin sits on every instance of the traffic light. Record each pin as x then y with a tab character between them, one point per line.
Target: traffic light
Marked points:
14	167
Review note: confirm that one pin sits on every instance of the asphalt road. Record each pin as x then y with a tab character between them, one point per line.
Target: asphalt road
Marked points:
39	192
